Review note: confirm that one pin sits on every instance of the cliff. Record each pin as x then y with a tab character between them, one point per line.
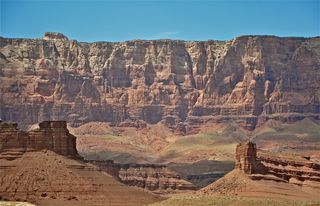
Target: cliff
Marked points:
51	135
284	168
156	178
246	159
269	175
182	84
54	136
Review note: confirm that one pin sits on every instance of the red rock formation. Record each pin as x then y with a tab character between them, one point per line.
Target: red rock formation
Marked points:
249	80
51	135
54	136
264	174
246	158
153	178
46	178
286	168
157	178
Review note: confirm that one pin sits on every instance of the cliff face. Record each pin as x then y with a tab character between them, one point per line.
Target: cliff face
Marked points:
249	79
153	178
246	159
156	178
289	169
52	136
270	175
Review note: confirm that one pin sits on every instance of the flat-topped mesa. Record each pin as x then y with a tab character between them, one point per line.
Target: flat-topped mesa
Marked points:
55	136
54	36
246	158
51	135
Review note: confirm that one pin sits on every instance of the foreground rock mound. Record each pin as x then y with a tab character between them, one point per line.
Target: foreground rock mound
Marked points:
36	166
182	84
51	135
54	136
45	178
269	175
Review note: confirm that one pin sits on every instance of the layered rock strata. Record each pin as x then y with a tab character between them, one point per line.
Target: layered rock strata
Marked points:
246	159
51	135
182	84
54	136
265	165
157	178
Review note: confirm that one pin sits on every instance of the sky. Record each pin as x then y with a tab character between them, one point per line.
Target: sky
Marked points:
110	20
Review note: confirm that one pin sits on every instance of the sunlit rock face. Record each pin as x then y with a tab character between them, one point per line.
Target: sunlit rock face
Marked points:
288	168
182	84
246	158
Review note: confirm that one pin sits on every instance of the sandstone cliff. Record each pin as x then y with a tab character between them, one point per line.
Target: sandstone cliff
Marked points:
157	178
54	136
277	167
249	79
264	174
51	135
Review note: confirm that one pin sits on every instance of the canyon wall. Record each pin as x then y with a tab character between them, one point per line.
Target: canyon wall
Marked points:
157	178
278	167
51	135
182	84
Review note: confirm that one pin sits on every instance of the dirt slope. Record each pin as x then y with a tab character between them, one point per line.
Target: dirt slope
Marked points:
237	183
46	178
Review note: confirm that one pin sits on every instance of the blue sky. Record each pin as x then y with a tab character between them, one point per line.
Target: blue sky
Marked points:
105	20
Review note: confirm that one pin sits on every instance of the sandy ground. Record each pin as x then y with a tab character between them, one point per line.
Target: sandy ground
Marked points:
7	203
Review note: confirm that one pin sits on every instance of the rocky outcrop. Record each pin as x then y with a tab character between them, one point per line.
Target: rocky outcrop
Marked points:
157	178
285	168
182	84
246	159
51	135
54	36
54	136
